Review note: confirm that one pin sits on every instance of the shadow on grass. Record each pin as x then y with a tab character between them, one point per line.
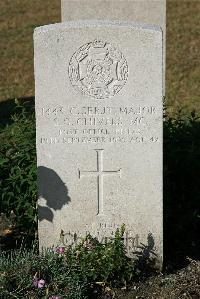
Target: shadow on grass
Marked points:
181	183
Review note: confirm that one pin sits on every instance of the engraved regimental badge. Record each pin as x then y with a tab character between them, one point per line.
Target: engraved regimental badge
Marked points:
98	69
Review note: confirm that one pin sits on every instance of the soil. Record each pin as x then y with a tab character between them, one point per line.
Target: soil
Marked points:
182	284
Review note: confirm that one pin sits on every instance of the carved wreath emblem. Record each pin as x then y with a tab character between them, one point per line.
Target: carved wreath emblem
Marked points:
98	69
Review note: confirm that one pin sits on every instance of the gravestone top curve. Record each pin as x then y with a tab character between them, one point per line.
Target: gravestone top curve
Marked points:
95	23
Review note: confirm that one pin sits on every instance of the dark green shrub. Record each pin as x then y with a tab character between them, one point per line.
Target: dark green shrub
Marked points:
18	168
182	186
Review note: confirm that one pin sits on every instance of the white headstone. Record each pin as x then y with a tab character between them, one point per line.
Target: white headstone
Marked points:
99	131
144	11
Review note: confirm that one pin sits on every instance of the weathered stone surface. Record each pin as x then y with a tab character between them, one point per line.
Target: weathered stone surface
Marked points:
145	11
99	131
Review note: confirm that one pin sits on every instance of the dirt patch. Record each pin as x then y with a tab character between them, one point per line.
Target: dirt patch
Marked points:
180	285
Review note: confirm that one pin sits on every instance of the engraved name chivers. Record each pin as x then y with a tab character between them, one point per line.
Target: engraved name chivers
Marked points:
98	69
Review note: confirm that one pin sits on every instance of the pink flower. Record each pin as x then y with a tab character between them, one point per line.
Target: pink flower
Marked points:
38	283
60	249
35	282
55	297
41	283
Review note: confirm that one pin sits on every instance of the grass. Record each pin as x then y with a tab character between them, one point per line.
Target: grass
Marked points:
183	43
18	20
20	17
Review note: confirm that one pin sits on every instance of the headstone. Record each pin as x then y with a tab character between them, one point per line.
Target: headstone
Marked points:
99	132
144	11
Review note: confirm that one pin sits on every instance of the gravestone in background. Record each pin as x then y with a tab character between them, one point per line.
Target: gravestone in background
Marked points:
99	132
144	11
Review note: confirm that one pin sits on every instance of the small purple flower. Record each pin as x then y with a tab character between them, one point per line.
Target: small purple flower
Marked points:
38	283
41	283
35	282
55	297
60	249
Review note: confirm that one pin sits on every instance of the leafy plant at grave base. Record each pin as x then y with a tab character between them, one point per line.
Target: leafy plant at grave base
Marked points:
74	273
103	262
18	168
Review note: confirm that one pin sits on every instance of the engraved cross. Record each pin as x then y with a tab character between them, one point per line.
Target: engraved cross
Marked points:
99	173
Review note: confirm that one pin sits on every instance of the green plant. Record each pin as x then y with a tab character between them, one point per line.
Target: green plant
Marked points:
104	262
26	274
18	168
73	274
